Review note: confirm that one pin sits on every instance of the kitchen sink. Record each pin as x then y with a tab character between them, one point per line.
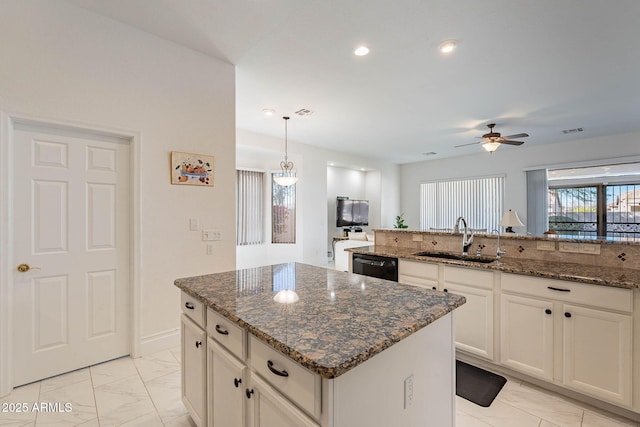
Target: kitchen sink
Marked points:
448	255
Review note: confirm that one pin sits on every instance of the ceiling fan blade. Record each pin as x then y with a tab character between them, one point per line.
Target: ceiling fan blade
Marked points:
471	143
508	142
517	135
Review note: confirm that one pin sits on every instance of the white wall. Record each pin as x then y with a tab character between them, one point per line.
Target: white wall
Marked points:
511	162
356	185
311	163
63	63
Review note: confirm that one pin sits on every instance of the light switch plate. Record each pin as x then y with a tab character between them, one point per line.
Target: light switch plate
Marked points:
194	224
211	235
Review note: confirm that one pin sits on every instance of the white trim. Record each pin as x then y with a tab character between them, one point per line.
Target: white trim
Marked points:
586	163
7	119
251	169
159	341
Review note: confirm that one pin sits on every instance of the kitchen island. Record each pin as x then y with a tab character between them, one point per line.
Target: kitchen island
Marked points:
351	350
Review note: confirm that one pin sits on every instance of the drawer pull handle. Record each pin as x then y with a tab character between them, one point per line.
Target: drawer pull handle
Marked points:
445	290
567	314
275	371
547	311
189	305
198	344
558	289
221	331
248	393
237	382
433	287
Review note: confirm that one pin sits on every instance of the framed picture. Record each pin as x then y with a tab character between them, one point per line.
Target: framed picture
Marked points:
191	169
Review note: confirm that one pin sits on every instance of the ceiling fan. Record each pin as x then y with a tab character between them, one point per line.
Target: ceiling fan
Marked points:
492	140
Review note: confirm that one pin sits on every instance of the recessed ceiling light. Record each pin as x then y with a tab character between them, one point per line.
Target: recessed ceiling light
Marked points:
361	51
268	111
447	46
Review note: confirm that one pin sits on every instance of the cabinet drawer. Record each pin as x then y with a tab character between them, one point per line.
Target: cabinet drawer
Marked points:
421	270
469	276
193	308
287	376
226	333
578	293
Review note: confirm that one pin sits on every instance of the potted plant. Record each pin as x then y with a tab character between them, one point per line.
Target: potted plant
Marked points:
400	222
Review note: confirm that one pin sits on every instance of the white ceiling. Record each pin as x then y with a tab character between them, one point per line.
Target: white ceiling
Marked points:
534	66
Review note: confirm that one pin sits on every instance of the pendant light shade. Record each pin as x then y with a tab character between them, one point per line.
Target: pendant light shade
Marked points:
286	176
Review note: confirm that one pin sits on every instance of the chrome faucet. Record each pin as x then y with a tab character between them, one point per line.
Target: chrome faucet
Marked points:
499	251
467	239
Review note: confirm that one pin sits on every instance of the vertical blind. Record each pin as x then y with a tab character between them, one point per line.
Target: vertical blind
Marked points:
537	201
250	207
480	201
283	213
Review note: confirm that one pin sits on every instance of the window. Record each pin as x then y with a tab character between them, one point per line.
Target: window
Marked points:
249	207
283	213
479	201
602	210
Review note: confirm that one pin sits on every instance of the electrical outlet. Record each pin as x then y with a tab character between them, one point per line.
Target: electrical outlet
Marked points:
408	391
209	249
417	237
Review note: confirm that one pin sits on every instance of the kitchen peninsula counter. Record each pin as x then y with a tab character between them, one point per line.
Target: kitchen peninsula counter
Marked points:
590	274
340	321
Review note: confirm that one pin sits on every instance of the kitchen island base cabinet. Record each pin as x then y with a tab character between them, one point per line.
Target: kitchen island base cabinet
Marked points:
194	358
410	384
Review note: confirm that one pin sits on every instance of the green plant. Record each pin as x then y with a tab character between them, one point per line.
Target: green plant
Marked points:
400	222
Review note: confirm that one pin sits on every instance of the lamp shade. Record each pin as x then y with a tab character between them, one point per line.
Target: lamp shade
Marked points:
510	219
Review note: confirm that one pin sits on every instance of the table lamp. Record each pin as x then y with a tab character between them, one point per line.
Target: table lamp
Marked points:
510	219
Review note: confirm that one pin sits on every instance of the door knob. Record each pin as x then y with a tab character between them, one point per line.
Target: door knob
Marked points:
23	268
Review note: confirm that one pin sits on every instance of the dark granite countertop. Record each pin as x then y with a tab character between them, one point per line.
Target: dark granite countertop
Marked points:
340	320
590	274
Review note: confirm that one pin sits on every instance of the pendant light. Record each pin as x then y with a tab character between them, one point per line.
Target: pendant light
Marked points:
286	176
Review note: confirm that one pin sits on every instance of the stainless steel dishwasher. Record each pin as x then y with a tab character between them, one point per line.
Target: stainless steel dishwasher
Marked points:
376	266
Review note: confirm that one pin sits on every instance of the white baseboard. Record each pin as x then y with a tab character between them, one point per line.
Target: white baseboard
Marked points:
160	341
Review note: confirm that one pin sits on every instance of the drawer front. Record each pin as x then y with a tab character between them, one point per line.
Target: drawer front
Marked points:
227	333
193	308
578	293
418	281
300	385
418	269
469	277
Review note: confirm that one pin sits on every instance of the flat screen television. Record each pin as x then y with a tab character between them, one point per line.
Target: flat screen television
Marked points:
352	212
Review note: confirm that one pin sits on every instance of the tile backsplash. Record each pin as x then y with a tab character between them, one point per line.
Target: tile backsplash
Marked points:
612	254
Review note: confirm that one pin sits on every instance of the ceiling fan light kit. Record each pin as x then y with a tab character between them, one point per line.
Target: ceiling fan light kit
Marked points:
286	176
492	140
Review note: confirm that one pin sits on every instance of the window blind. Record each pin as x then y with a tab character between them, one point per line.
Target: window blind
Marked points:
479	200
250	207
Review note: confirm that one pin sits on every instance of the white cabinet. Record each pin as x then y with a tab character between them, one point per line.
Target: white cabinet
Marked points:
576	335
227	382
597	356
526	335
268	408
474	320
193	369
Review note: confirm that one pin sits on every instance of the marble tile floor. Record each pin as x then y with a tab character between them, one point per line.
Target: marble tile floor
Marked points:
146	392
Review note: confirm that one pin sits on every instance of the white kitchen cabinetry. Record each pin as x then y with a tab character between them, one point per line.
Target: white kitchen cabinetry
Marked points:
193	370
268	408
526	335
227	381
194	358
474	320
590	348
418	273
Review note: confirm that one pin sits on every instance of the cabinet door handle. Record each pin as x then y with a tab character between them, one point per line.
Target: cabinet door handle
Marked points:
198	344
548	311
275	371
433	287
567	314
221	331
445	290
189	305
558	289
248	393
237	382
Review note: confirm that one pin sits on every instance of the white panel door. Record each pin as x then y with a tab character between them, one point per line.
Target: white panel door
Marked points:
71	249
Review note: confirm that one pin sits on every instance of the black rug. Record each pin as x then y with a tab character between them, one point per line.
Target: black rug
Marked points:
477	385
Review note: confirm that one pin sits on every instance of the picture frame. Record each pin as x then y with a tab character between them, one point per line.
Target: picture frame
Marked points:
192	169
